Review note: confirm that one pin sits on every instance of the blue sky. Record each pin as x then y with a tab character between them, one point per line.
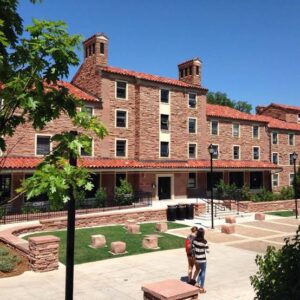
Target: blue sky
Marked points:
249	49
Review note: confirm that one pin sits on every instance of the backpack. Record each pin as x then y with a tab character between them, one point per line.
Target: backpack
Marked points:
188	246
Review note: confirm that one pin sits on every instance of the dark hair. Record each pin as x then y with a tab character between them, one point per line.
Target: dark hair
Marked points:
200	236
194	229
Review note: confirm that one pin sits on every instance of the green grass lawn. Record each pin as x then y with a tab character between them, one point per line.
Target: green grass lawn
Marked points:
283	213
83	253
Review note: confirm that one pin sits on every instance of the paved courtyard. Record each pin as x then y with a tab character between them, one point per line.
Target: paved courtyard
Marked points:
230	263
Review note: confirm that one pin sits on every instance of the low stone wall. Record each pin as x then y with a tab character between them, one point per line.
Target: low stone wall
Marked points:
43	253
249	206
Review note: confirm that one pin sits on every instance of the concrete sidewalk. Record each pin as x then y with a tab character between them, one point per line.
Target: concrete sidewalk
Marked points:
228	274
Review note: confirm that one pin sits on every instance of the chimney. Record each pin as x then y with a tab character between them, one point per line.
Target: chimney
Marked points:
190	71
96	49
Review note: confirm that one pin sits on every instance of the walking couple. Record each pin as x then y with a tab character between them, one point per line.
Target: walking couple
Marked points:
196	246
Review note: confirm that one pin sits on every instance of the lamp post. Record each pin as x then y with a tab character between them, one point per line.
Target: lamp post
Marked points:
211	151
295	156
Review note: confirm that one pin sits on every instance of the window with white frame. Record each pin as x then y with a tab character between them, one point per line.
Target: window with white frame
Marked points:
88	109
121	148
192	181
291	159
255	153
192	151
275	180
164	122
43	144
192	125
291	138
235	130
216	151
164	149
164	96
274	138
236	152
291	179
214	127
192	100
121	118
275	158
255	131
87	149
121	89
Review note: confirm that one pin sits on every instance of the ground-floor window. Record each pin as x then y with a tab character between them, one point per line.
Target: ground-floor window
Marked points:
192	181
5	186
275	180
256	180
291	179
216	178
236	178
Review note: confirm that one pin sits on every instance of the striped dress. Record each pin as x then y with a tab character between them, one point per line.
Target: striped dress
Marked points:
199	251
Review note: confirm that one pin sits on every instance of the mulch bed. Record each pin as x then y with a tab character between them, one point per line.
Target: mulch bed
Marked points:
20	268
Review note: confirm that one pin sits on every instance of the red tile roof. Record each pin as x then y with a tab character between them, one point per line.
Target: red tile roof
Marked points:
98	163
231	113
150	77
285	107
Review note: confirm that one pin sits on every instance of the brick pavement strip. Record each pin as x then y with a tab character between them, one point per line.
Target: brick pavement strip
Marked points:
272	226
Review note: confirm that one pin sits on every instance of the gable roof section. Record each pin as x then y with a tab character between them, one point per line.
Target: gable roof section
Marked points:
149	77
284	107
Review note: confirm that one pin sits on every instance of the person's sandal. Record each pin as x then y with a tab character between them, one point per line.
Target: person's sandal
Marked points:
202	290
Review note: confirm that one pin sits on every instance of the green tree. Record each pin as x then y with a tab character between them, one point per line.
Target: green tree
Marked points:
32	65
278	276
220	98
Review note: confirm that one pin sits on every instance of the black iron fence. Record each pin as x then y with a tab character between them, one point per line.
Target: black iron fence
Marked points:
29	211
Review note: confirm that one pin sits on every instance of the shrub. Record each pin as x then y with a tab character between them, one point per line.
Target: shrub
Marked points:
245	193
286	193
123	193
3	252
278	274
6	265
79	196
101	197
263	195
226	191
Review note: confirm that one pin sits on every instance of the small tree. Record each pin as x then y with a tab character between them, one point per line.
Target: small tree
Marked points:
123	193
279	272
101	197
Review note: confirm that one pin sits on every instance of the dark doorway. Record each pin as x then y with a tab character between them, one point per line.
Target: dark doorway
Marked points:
256	180
217	177
164	188
236	178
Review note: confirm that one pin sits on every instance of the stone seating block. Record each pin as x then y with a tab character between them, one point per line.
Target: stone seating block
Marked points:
230	219
134	228
228	228
129	222
150	242
98	241
169	289
118	247
161	227
260	217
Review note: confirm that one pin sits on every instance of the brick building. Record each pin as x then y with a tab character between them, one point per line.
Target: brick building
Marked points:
159	133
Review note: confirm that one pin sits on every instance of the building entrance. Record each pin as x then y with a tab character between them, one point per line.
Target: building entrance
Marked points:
164	188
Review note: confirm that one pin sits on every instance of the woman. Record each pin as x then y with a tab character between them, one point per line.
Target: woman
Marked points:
199	245
190	256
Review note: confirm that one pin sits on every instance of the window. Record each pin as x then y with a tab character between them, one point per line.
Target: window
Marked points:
121	118
275	180
121	148
164	122
274	138
181	73
93	48
291	139
192	181
298	119
88	109
5	185
42	145
101	48
256	180
119	178
255	131
185	72
164	96
275	158
291	160
192	150
197	70
255	153
164	149
121	87
236	152
235	130
192	100
214	127
192	125
190	70
291	179
88	149
216	151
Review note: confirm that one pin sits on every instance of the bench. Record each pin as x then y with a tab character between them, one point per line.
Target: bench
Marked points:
171	289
